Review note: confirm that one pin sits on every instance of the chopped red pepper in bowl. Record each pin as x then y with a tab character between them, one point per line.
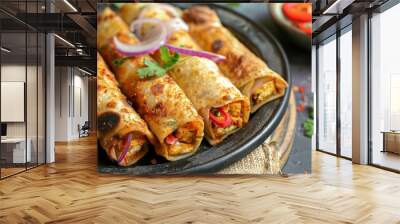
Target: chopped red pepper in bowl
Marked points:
305	27
300	14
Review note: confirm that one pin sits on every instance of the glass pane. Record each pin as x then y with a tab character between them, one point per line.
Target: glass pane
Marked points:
22	81
385	89
346	94
13	77
31	100
327	97
32	88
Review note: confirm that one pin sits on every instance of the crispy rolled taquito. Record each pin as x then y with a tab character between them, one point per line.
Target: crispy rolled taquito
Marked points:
222	106
121	132
159	100
248	72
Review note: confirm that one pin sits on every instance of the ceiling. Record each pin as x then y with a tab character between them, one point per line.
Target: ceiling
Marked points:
332	15
72	20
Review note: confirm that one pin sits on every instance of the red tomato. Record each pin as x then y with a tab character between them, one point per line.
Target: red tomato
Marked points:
305	27
298	12
301	89
300	107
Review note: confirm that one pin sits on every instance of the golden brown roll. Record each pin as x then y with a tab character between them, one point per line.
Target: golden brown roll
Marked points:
248	72
212	94
121	132
159	100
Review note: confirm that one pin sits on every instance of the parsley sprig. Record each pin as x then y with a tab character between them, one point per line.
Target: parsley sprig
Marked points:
152	69
155	69
168	60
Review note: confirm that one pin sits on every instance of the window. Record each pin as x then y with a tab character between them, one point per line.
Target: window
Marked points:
385	89
327	96
346	95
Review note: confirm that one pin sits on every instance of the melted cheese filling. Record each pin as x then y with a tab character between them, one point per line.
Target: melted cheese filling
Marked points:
267	90
186	139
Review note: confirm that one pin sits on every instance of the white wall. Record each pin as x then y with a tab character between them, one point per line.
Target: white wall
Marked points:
71	94
61	105
80	102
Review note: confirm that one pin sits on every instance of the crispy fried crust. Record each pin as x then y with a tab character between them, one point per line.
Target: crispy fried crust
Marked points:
117	118
200	78
159	100
241	66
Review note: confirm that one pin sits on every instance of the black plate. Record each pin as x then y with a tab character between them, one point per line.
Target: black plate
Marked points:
262	123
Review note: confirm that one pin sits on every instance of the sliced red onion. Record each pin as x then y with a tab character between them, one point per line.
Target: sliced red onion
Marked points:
157	38
127	143
196	53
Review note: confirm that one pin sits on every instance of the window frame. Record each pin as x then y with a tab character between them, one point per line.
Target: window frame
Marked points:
334	37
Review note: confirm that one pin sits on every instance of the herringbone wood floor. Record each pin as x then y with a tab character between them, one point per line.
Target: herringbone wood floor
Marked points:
71	191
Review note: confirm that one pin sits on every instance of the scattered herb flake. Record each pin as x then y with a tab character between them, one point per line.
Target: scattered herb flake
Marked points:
308	126
119	61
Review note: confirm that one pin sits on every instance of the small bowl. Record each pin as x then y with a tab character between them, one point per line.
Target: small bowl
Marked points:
295	34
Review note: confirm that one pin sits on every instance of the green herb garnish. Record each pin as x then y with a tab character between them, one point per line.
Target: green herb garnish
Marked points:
119	61
155	69
152	69
167	59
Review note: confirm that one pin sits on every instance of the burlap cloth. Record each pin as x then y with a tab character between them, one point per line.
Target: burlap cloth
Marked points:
271	156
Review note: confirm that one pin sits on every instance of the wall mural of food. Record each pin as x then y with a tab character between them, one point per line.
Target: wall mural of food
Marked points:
186	88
